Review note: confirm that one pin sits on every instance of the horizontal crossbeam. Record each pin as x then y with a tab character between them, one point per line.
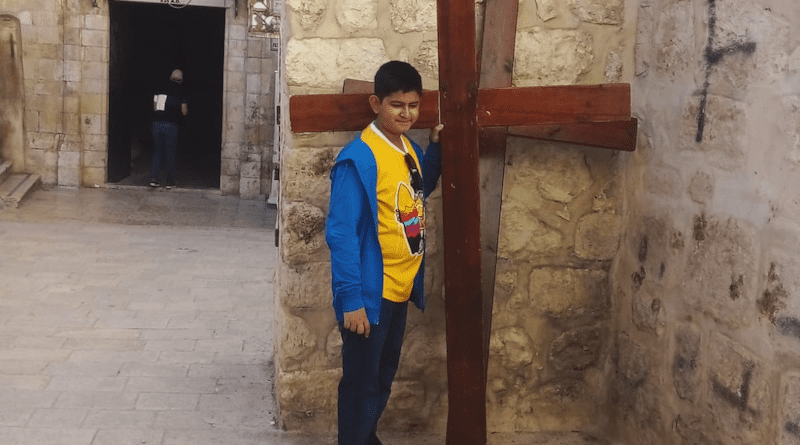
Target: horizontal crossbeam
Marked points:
614	135
497	107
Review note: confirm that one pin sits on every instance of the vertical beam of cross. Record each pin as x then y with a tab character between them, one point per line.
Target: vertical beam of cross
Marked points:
496	57
458	89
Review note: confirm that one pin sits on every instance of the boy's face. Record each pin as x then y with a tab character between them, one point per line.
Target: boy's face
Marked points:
396	113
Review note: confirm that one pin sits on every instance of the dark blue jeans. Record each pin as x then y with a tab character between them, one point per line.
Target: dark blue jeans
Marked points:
369	366
165	140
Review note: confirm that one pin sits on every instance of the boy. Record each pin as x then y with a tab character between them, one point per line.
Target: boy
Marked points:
376	234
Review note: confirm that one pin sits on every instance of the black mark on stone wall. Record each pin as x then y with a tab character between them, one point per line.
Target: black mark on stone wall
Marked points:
772	300
643	249
737	283
638	277
788	326
740	397
699	229
712	57
793	428
662	270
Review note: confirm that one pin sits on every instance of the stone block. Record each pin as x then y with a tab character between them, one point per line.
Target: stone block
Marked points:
72	70
546	9
423	349
254	48
250	169
426	59
94	38
635	395
522	235
614	65
235	82
556	174
69	169
723	131
647	307
565	292
229	166
297	340
93	123
94	70
413	15
686	362
551	56
577	349
48	35
407	395
94	159
303	233
739	392
93	176
229	185
513	347
722	274
602	12
249	187
701	188
309	12
99	22
325	63
306	286
308	391
597	236
305	174
254	83
357	15
237	32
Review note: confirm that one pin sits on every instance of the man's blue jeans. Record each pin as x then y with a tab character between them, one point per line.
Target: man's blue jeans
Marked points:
165	140
369	366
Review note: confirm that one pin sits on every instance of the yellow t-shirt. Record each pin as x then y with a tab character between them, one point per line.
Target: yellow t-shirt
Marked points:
401	215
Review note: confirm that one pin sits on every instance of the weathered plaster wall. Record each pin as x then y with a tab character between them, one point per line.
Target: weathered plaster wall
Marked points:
560	224
65	46
705	288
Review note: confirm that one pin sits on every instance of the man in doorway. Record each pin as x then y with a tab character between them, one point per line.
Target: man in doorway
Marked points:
169	107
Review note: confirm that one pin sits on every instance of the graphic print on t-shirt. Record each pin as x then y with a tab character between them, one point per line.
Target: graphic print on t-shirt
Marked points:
410	213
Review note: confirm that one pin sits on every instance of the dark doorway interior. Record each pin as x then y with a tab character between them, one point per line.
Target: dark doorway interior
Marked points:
148	41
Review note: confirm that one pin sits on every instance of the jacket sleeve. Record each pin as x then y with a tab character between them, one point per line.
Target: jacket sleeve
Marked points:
431	167
346	213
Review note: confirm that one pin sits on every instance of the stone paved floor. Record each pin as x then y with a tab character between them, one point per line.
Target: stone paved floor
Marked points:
138	316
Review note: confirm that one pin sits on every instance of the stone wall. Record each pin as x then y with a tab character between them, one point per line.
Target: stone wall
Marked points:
553	333
705	285
65	47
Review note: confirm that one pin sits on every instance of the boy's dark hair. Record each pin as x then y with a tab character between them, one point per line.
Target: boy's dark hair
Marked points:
396	76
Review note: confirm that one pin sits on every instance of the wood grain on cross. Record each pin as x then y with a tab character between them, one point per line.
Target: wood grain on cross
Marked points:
597	115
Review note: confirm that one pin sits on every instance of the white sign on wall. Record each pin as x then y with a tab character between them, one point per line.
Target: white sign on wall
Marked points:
182	3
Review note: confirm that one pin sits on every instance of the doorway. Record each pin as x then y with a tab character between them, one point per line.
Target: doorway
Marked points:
148	41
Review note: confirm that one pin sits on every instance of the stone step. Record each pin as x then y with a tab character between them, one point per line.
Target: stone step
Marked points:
16	186
5	169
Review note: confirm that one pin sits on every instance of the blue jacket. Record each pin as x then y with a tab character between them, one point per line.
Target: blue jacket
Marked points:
351	230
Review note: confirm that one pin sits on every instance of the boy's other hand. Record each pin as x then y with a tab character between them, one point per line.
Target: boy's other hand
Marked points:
356	321
435	133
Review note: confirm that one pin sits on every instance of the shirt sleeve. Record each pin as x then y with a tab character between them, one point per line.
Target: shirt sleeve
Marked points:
431	167
345	215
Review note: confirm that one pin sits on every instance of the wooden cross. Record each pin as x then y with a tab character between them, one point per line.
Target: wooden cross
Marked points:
598	116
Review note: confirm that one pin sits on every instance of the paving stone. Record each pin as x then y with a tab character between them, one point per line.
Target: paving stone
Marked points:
127	436
119	419
47	436
57	418
96	399
164	402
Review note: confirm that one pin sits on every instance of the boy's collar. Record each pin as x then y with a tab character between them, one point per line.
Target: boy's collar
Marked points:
377	131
